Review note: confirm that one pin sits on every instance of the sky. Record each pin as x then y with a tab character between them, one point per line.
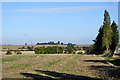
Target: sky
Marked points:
68	22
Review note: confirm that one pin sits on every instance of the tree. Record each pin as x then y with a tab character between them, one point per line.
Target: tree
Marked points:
25	43
30	48
103	41
48	50
107	34
61	43
9	52
69	50
70	47
97	47
39	50
58	42
60	49
115	37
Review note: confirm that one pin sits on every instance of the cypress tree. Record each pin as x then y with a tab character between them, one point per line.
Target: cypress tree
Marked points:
115	37
103	40
98	42
107	34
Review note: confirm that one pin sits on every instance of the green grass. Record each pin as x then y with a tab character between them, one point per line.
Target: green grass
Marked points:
12	58
99	55
52	63
17	58
37	56
32	56
71	63
110	58
113	60
20	66
9	59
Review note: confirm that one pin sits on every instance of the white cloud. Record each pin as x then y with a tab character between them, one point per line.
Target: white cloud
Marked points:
63	9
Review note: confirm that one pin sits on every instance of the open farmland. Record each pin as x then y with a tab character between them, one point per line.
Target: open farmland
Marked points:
57	67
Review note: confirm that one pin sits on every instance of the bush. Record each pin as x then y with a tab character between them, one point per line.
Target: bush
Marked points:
48	50
69	50
18	52
15	51
30	48
74	53
80	52
9	52
39	50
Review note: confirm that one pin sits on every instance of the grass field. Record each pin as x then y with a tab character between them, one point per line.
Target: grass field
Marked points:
56	66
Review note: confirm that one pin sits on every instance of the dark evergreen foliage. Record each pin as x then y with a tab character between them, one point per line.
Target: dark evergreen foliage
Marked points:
107	38
115	37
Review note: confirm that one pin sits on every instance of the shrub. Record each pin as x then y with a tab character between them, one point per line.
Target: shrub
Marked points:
39	50
80	52
73	52
69	50
9	52
30	48
18	52
48	50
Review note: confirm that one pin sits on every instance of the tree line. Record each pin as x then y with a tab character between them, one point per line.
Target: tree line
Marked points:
50	43
48	50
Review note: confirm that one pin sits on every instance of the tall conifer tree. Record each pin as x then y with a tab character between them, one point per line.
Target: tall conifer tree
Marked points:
107	33
98	42
115	37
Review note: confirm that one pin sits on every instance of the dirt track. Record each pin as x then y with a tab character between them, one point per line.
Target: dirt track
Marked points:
59	66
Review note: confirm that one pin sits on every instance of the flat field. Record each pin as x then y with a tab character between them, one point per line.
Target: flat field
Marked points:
57	67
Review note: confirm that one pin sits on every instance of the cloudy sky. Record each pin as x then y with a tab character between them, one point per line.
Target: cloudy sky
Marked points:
32	22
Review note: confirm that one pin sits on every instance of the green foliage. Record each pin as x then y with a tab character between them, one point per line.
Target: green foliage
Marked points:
18	52
108	58
115	37
80	53
107	32
15	51
69	50
119	45
39	50
49	50
61	43
97	47
49	43
107	38
30	48
70	45
23	47
58	42
9	52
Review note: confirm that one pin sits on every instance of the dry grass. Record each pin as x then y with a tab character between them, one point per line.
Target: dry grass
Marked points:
55	66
